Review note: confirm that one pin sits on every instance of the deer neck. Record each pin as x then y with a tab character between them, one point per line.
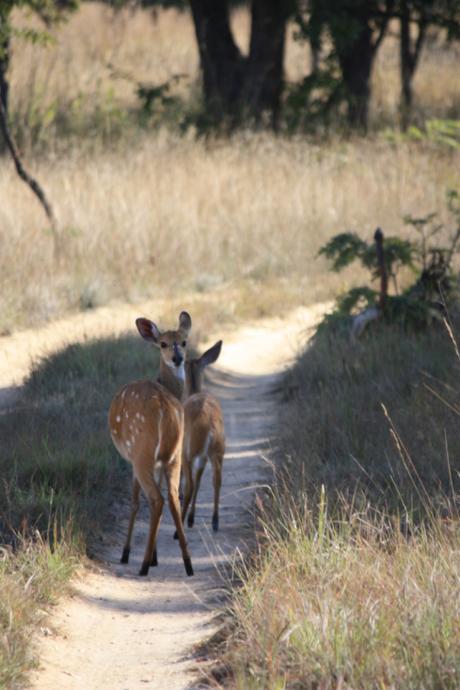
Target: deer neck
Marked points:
172	378
192	381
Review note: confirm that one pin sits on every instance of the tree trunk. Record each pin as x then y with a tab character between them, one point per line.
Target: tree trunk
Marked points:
222	64
409	57
264	73
235	86
315	28
358	28
356	57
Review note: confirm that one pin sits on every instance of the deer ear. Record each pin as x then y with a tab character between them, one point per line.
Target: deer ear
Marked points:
185	321
211	355
148	330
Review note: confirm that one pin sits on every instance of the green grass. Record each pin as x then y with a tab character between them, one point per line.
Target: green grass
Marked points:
349	401
31	578
60	475
355	579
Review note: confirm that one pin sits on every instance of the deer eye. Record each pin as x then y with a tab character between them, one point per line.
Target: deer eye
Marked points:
163	345
184	343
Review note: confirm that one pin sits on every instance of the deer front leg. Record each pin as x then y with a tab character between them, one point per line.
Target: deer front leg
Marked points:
156	502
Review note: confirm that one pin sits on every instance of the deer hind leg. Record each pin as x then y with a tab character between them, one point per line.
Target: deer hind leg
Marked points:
188	489
187	469
132	520
156	502
174	505
217	480
201	461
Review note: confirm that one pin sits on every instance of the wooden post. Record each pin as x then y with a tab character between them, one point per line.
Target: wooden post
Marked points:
378	237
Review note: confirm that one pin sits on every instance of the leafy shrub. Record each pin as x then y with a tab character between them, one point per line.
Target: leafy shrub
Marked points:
433	265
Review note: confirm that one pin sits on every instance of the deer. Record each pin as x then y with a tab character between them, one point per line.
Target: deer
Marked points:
204	437
146	422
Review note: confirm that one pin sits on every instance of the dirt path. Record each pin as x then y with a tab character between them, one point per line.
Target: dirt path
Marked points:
123	632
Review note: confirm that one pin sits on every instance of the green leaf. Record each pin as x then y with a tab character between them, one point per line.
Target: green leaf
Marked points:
343	249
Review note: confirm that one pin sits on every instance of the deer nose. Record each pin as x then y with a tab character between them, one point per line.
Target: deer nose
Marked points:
177	357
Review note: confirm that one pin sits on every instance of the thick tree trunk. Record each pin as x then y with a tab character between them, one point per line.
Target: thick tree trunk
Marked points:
235	86
358	28
356	58
222	64
264	73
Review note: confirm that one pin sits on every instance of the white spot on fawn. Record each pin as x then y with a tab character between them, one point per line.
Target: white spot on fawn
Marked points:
118	418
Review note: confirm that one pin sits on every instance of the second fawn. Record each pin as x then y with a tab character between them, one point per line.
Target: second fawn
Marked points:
204	437
146	423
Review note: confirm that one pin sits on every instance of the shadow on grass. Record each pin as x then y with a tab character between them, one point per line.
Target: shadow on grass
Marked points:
376	422
58	464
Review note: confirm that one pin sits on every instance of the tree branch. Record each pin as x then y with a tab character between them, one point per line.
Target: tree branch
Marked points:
28	179
384	24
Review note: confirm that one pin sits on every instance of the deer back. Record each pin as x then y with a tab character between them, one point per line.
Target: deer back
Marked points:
145	417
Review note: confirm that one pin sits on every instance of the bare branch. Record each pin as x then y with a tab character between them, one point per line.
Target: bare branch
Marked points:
28	179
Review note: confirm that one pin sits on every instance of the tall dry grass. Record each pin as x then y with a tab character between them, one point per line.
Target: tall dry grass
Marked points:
347	604
173	215
144	212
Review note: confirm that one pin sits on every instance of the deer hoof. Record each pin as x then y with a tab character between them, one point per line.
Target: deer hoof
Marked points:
188	566
144	568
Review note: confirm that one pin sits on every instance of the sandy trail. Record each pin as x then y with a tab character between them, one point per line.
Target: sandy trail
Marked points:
123	632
